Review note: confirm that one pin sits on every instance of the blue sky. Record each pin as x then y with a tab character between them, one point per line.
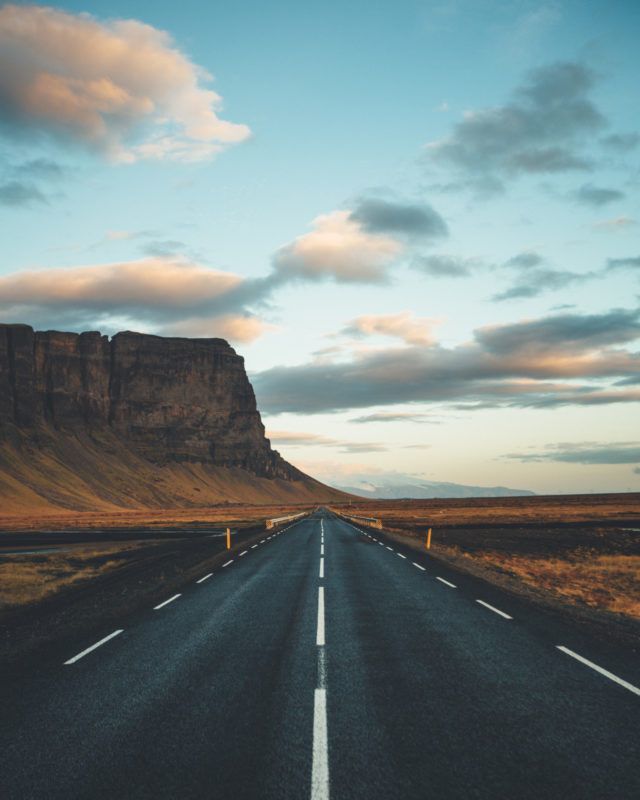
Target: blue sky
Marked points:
420	215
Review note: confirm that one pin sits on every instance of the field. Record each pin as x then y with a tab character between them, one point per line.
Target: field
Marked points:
579	550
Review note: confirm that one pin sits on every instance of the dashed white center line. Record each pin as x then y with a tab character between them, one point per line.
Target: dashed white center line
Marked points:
243	553
321	573
494	609
166	602
262	541
94	646
442	580
389	548
321	549
602	671
320	764
206	577
253	546
228	562
400	554
419	566
320	632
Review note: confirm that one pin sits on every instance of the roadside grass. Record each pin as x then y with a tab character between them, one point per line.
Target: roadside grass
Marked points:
608	582
26	579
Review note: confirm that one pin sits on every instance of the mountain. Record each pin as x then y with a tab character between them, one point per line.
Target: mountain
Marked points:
135	421
396	486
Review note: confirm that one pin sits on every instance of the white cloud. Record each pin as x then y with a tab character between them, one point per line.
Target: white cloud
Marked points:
338	247
121	87
404	326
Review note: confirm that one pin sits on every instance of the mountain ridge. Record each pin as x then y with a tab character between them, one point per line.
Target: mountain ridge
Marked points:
136	421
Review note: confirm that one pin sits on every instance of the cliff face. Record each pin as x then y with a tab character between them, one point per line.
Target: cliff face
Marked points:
167	401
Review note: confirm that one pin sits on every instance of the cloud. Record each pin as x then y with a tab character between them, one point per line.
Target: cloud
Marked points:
120	88
538	131
533	279
445	266
546	362
585	453
413	220
616	224
527	260
405	326
397	416
338	247
632	262
301	439
597	196
17	193
168	295
535	282
22	184
621	142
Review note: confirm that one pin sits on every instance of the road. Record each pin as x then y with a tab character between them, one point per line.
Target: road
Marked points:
319	664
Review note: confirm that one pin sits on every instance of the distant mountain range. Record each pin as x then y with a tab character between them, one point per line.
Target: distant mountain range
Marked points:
396	486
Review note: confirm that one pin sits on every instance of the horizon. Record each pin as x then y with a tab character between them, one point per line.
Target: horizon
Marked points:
429	260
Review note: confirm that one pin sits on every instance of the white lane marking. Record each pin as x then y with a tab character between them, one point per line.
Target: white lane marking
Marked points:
442	580
243	553
228	562
320	633
400	554
321	573
262	541
166	602
320	763
419	566
322	668
206	577
94	646
380	543
389	548
321	549
601	670
253	546
494	609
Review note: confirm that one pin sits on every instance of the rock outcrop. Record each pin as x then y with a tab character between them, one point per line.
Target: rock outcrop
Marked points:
165	401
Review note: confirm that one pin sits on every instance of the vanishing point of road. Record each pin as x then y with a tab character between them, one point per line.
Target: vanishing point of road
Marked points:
323	662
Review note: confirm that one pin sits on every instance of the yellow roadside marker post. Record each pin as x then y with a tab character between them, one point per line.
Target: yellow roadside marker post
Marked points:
429	539
228	538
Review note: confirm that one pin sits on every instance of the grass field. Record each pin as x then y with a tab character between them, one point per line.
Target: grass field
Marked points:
582	550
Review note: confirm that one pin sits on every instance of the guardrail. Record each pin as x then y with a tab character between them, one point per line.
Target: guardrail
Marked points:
271	523
370	522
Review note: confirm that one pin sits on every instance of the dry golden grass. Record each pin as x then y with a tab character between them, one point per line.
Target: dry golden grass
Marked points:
608	582
30	578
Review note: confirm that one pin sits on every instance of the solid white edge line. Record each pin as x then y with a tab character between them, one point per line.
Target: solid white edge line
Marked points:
424	569
320	631
320	762
494	609
442	580
94	646
166	602
601	670
206	577
228	562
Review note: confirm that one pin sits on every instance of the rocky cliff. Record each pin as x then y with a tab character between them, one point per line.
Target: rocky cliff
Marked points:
162	403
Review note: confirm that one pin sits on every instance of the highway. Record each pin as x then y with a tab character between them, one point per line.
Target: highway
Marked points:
322	663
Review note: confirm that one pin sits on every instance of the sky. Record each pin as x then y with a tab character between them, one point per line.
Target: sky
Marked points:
417	221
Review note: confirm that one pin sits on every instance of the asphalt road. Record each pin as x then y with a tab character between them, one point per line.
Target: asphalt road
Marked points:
323	664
